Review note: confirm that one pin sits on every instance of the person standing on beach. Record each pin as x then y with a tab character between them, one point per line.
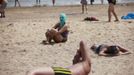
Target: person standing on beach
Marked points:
102	1
91	2
111	10
38	2
81	65
53	1
84	5
3	4
17	1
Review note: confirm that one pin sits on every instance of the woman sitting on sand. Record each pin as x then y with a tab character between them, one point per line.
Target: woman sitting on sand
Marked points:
81	65
3	4
105	50
59	33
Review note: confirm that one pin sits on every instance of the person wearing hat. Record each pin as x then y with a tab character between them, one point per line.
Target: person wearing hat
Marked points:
59	33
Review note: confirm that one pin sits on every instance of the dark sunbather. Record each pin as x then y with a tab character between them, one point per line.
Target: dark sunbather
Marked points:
105	50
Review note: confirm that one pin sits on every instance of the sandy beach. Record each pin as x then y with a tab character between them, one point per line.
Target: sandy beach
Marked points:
23	30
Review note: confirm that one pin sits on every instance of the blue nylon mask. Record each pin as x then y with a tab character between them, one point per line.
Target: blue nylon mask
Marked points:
62	19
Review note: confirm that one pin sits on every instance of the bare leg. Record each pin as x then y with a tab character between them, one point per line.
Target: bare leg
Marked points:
82	67
53	1
122	49
49	36
15	3
36	2
86	8
77	57
113	11
19	3
39	2
101	1
3	13
43	71
56	36
82	9
109	12
0	14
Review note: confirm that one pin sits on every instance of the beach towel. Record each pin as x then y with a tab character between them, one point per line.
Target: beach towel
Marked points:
128	16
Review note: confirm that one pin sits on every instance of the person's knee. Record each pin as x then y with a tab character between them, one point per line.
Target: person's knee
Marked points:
53	31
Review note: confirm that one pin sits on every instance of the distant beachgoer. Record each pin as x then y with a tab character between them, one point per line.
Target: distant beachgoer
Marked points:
90	19
59	33
3	4
105	50
111	10
17	1
81	65
84	5
53	1
37	2
91	2
102	1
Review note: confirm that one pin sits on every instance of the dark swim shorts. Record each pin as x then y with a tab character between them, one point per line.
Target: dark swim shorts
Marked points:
61	71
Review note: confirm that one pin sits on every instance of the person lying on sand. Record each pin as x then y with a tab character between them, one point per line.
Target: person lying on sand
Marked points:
59	33
105	50
90	19
81	65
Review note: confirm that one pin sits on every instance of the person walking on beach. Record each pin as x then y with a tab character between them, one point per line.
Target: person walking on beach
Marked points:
3	4
53	1
91	2
17	1
59	33
84	5
81	65
111	10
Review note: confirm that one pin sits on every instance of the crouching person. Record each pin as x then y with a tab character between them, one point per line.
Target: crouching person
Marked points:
59	33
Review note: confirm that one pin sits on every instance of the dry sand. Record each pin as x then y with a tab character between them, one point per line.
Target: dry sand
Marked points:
22	32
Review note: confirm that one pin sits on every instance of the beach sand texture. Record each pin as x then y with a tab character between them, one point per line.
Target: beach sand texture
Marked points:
23	30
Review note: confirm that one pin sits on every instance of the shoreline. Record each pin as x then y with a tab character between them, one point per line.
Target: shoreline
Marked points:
23	30
45	5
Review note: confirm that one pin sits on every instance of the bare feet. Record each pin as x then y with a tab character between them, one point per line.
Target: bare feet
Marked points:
116	20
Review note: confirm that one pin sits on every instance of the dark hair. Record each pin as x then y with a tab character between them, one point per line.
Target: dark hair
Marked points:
112	50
